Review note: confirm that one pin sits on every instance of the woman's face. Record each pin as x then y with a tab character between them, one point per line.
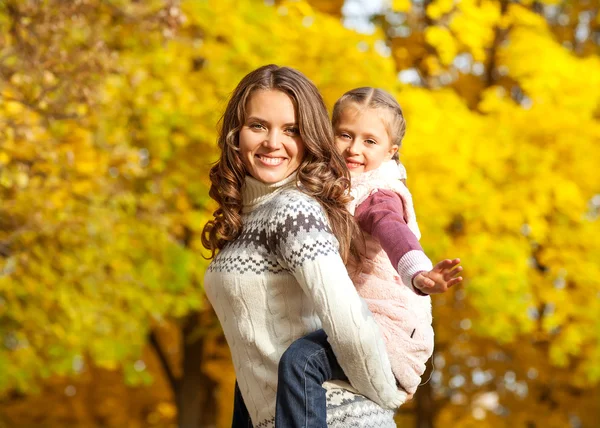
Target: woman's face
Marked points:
270	144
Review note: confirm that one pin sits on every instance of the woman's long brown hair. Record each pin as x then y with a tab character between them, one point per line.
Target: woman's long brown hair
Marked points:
322	173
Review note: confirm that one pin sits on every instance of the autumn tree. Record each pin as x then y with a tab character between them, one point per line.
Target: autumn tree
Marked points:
109	112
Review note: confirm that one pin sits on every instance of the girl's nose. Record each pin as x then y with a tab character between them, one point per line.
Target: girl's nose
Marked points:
353	148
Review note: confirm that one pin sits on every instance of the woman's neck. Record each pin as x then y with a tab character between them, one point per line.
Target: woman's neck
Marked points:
256	192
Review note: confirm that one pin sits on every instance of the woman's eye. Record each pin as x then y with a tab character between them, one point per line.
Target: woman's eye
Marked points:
293	131
257	126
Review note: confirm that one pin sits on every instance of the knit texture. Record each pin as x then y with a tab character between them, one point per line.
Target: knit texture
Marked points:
281	279
348	410
403	316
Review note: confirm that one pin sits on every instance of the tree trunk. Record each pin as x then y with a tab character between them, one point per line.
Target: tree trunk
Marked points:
194	394
424	403
193	391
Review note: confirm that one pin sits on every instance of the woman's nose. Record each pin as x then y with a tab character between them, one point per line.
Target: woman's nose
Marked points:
272	140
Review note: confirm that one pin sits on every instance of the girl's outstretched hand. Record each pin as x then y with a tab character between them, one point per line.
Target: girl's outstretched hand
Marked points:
440	278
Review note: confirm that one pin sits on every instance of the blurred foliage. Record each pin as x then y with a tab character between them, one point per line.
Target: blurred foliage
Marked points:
108	113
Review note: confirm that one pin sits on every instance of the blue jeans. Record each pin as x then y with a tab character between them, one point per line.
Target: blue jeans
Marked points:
303	368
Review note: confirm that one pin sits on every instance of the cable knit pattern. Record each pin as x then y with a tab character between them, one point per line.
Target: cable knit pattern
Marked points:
281	279
403	316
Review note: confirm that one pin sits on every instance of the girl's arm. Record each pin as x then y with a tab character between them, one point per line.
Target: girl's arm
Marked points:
382	216
308	249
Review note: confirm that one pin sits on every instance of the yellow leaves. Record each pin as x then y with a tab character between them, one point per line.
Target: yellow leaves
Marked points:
301	8
401	5
569	199
108	210
82	187
436	9
523	17
182	203
568	344
5	179
473	25
443	41
545	71
167	410
13	108
463	26
432	65
498	284
196	220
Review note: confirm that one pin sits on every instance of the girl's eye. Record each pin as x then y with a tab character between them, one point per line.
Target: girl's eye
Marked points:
371	142
345	136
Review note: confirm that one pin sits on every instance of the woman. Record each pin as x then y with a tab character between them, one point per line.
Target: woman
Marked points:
283	234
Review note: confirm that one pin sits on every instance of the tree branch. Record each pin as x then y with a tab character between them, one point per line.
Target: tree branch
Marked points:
164	361
499	36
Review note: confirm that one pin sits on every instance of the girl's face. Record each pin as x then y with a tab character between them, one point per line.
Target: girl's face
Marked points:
270	145
362	139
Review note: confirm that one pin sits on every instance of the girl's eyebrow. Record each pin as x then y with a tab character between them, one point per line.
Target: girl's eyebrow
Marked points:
372	136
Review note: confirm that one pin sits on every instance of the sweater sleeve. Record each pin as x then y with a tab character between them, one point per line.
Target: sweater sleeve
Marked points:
309	250
382	216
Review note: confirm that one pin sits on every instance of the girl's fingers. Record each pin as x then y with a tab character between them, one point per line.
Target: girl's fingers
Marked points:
452	273
441	265
446	264
455	281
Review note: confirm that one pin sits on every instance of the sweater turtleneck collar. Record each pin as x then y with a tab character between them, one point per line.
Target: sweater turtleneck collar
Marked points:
256	192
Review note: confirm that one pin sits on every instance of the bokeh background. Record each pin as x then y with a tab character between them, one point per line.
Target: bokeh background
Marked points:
108	112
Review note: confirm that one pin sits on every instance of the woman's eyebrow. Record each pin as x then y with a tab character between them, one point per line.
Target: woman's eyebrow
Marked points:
257	119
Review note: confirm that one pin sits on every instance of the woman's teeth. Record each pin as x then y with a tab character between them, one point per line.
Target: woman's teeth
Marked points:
270	161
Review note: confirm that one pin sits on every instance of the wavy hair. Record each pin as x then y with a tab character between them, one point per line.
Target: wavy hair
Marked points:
322	173
369	97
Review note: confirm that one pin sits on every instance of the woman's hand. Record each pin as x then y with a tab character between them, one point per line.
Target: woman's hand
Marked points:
440	278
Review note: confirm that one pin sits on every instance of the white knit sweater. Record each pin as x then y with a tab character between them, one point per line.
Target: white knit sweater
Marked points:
282	278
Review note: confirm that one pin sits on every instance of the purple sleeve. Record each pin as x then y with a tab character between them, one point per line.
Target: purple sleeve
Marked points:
381	215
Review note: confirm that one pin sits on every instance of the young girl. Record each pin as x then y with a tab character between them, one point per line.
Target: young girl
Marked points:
395	277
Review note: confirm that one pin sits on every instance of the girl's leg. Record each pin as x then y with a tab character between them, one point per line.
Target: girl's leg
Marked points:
241	417
303	368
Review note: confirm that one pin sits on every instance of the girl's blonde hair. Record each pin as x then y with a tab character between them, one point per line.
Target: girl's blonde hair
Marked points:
322	173
369	97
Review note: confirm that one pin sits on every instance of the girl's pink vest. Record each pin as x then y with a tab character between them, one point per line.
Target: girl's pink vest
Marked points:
403	316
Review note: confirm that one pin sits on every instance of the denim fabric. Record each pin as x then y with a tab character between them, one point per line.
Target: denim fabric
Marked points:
303	368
